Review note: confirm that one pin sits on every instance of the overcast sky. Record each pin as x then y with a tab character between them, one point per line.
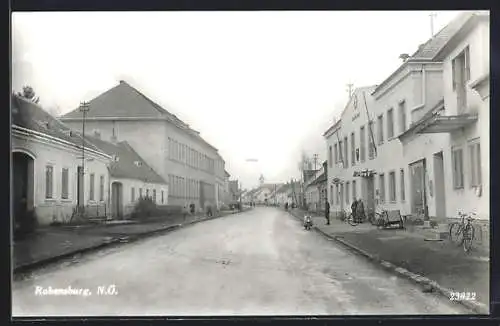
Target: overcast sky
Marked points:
261	85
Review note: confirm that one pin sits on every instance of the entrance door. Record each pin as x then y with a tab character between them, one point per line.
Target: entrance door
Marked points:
418	202
23	186
79	187
439	197
202	195
116	200
370	196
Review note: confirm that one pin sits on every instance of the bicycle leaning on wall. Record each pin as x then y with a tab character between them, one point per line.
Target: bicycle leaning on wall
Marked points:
463	232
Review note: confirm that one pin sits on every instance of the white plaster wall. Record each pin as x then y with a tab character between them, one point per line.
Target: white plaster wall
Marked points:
466	199
57	209
128	184
150	140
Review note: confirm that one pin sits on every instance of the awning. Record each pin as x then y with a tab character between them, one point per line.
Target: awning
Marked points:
445	124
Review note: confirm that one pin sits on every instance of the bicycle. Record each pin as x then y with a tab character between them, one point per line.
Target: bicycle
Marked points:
349	217
463	232
379	217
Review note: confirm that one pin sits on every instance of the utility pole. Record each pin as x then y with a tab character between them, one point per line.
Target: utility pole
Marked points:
432	16
84	108
349	89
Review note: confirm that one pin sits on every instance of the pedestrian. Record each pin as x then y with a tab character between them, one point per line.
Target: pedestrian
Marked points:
327	212
353	210
360	211
185	212
286	206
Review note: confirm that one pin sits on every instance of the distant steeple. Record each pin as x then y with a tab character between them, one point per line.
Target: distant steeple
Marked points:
261	180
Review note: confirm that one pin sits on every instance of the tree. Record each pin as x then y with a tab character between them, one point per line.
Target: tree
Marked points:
29	94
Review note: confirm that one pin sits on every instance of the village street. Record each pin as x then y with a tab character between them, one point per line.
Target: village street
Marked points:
258	262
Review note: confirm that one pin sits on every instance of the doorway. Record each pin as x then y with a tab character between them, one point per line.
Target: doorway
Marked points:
370	196
439	191
23	177
117	200
418	195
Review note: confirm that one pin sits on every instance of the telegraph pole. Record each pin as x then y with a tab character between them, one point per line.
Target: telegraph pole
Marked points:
432	16
84	108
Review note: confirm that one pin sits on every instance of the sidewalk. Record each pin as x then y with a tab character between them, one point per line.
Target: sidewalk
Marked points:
53	243
407	252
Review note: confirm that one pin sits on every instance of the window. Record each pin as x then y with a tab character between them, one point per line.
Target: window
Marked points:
402	184
380	129
49	179
101	188
354	194
162	197
140	192
390	123
330	156
91	186
347	194
64	183
461	75
362	143
336	153
154	195
331	194
392	186
382	188
147	193
371	144
475	163
461	68
458	168
346	165
132	194
337	194
341	157
353	150
402	116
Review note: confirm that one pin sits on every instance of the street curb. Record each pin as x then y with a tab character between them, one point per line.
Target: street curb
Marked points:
477	307
115	240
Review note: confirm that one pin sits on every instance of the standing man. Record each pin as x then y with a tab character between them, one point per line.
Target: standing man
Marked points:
327	212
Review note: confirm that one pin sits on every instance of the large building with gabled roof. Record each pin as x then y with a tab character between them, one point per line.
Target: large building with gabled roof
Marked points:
192	167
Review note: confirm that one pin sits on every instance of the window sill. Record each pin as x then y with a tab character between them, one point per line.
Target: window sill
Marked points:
50	200
66	200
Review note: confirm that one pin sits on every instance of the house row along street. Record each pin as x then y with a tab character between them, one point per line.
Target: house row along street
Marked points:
260	262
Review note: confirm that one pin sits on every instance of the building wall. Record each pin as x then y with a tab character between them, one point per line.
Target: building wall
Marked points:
59	157
391	154
138	186
468	198
162	155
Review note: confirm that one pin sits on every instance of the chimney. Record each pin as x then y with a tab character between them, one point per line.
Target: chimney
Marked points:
122	81
404	56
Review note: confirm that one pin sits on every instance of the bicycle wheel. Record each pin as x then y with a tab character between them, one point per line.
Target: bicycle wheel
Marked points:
455	232
352	221
468	234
